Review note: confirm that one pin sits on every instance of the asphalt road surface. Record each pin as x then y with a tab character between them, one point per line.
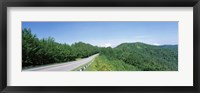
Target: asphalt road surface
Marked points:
67	66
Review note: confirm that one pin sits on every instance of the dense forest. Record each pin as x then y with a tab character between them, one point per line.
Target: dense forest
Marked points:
140	56
46	51
125	57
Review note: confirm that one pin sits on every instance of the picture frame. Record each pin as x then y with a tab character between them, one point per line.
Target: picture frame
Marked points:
99	3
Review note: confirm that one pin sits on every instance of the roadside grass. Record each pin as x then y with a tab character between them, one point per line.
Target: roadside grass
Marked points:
102	63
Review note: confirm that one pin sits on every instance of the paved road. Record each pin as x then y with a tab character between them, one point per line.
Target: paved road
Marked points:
67	66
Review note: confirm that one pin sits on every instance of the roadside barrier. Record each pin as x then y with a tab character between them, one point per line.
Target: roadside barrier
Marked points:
84	67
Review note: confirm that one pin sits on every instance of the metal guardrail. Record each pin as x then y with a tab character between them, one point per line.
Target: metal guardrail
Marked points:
84	67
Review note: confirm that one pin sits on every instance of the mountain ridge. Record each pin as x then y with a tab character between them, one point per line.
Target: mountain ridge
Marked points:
146	57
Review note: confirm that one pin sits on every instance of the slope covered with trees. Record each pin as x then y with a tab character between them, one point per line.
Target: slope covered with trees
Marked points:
142	57
46	51
148	57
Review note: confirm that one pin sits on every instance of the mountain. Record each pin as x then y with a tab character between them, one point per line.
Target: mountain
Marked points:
173	47
146	57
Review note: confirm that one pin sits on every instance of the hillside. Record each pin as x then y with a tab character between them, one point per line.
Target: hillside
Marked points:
144	57
37	52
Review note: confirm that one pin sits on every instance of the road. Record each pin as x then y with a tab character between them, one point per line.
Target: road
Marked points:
67	66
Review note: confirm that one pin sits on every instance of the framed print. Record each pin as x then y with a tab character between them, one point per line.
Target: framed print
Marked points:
100	46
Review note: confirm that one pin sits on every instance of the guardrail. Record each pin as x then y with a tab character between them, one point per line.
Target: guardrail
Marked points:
84	67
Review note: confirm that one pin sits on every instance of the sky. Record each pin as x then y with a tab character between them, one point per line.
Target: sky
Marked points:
107	34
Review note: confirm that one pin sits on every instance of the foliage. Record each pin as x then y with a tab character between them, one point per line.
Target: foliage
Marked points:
145	57
103	63
46	51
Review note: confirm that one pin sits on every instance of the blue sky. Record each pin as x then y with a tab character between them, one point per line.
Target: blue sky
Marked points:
107	33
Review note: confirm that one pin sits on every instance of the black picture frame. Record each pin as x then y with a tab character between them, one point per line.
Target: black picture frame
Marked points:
99	3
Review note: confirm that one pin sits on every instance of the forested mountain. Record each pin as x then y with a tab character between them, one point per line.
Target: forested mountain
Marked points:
173	47
145	57
125	57
148	57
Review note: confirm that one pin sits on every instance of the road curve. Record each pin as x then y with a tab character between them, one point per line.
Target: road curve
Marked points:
67	66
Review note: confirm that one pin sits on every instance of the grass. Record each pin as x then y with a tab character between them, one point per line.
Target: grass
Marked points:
102	63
